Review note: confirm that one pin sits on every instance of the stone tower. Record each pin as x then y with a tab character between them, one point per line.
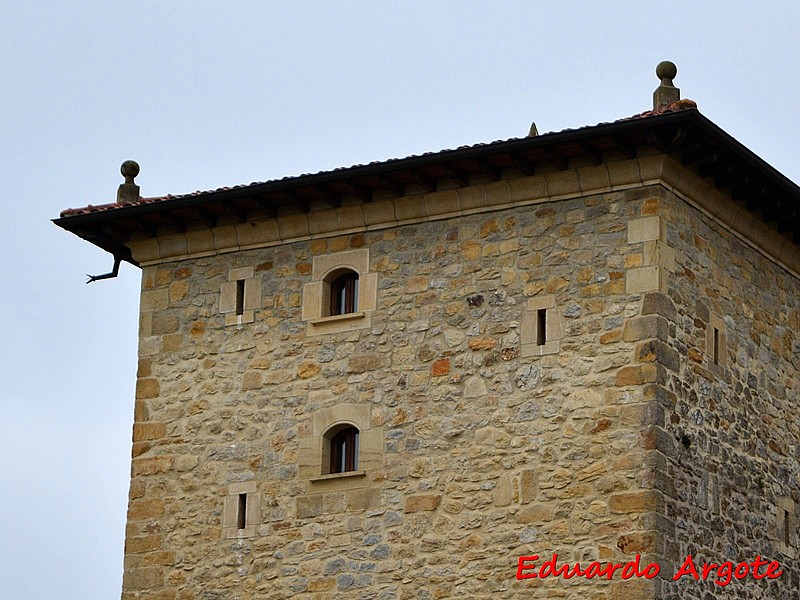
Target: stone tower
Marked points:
391	381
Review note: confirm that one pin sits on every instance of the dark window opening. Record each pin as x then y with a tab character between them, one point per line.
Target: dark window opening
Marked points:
344	451
786	525
344	294
541	327
240	297
715	344
241	515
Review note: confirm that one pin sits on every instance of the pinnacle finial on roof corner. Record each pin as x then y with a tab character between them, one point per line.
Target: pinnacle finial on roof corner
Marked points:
128	191
666	92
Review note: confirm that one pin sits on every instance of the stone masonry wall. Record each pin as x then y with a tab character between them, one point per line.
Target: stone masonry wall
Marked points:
487	453
728	451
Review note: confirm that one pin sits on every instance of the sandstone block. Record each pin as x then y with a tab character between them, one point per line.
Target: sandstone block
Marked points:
139	510
309	506
307	370
147	388
639	501
425	502
138	545
364	362
528	486
151	466
142	579
440	367
534	513
148	431
636	375
482	343
642	328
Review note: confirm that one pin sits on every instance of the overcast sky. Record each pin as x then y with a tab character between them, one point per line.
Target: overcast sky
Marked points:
204	96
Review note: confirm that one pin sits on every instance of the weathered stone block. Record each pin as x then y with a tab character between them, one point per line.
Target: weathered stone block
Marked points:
148	431
425	502
309	506
151	466
643	328
143	578
147	388
139	510
638	501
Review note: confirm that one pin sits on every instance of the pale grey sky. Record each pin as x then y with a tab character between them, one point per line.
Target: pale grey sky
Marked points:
206	94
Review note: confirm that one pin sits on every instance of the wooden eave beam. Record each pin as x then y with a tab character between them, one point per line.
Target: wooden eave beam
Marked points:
523	163
560	161
359	191
294	198
491	169
237	210
424	180
780	216
146	227
593	153
627	150
119	235
395	188
205	216
456	174
328	196
730	177
175	221
267	207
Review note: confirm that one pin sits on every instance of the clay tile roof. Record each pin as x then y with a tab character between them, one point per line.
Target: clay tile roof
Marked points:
69	212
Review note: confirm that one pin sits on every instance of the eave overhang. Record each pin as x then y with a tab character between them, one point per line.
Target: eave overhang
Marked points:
686	135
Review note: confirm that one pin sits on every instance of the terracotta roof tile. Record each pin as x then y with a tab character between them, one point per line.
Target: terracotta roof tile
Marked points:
672	107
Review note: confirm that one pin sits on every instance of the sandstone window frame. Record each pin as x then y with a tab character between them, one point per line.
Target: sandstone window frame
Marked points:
232	516
786	526
316	303
315	449
541	330
240	296
716	345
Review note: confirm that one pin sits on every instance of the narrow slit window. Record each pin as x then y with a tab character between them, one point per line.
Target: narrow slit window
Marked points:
715	344
240	297
786	526
541	327
241	515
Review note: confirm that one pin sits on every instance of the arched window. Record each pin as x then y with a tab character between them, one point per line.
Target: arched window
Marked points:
343	449
344	293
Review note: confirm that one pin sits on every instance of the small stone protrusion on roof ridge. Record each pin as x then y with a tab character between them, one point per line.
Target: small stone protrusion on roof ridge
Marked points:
128	191
666	93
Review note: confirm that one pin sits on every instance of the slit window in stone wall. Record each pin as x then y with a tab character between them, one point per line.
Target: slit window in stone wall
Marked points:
342	293
786	526
240	296
241	510
540	327
716	344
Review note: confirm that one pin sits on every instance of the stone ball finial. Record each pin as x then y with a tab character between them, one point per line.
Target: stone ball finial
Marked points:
128	191
666	72
129	170
666	93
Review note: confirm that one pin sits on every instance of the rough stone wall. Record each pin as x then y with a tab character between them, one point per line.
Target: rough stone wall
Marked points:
728	441
488	454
